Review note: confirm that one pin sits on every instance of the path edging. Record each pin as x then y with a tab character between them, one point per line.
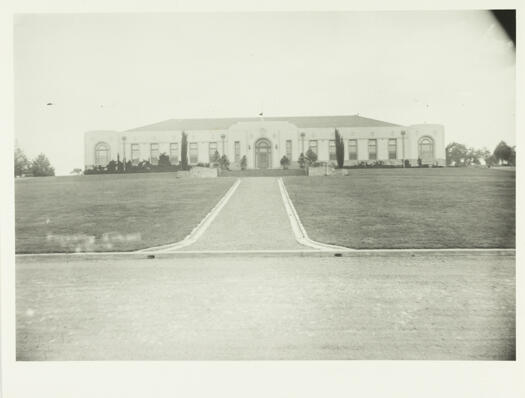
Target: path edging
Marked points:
297	226
197	232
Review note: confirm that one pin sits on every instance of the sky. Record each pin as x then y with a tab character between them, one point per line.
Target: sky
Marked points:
120	71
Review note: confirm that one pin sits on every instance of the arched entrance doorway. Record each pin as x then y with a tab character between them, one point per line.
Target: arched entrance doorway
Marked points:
426	149
263	154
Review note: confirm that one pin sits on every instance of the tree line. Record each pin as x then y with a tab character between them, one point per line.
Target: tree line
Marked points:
459	155
38	167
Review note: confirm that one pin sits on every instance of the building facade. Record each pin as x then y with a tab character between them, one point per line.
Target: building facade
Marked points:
264	141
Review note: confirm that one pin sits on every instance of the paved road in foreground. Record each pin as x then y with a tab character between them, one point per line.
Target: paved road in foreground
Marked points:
419	306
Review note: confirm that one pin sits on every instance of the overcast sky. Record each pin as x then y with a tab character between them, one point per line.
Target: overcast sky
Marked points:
122	71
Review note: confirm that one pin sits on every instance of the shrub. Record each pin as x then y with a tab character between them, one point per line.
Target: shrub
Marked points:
311	156
244	163
285	162
301	161
164	160
224	163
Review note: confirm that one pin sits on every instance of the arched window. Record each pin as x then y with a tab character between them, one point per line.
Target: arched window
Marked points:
426	149
102	155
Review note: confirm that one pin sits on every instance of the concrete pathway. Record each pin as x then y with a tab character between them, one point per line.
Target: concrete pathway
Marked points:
253	219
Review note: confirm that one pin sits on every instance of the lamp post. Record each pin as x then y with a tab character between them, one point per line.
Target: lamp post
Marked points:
222	138
124	153
403	132
302	143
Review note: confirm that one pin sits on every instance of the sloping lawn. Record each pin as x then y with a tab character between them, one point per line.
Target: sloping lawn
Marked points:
409	208
110	212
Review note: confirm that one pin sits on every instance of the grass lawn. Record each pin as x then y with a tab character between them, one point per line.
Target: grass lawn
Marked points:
110	212
409	208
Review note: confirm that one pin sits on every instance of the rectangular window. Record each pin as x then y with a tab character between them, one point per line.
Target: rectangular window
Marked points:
352	149
237	151
135	153
194	152
372	149
212	148
174	153
313	146
289	149
331	150
392	148
154	153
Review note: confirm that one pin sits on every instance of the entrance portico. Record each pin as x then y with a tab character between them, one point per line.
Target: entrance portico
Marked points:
263	154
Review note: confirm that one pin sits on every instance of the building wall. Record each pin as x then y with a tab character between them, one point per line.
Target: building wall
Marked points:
277	133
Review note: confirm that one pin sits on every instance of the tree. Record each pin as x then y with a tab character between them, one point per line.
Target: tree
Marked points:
184	152
472	156
339	149
41	167
22	164
503	153
285	162
456	154
311	156
76	171
512	158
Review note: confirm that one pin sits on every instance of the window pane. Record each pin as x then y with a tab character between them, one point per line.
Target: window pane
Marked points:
212	148
352	149
289	149
313	146
102	154
237	151
392	148
331	150
372	149
174	152
194	154
135	153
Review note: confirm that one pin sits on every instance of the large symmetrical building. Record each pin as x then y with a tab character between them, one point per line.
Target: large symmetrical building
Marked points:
264	141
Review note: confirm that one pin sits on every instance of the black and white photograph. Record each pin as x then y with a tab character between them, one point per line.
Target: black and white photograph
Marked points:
307	187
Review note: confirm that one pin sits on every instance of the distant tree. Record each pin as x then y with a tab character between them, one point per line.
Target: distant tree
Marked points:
311	156
512	158
76	171
456	154
184	151
472	156
41	167
503	153
22	164
164	160
285	162
244	163
339	149
301	161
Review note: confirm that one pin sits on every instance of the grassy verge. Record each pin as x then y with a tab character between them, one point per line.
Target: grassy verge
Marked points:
409	208
110	212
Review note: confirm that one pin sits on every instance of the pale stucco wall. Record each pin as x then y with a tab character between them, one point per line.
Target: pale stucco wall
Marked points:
248	133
